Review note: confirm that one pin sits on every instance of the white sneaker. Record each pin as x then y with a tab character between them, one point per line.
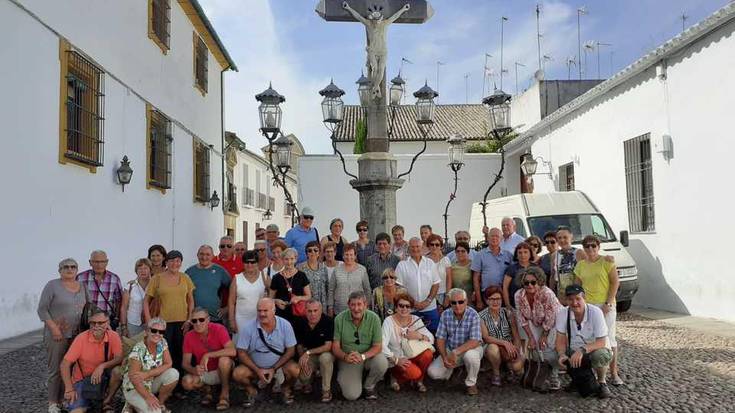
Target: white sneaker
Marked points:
54	408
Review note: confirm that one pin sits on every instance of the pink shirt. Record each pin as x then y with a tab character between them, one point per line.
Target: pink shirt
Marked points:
216	340
543	312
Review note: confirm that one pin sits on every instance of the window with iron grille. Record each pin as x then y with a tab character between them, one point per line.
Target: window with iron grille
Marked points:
160	142
201	171
159	23
566	177
82	138
639	183
200	64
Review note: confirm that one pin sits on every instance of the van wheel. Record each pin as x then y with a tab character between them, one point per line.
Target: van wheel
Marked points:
623	306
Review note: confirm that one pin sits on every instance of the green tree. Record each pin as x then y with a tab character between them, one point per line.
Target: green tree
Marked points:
360	137
490	145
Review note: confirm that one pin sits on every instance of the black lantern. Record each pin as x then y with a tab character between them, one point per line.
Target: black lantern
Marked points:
267	215
124	172
363	90
283	153
332	105
498	111
529	165
425	104
270	110
396	90
457	146
214	200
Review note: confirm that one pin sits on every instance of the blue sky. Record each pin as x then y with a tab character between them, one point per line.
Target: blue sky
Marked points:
286	42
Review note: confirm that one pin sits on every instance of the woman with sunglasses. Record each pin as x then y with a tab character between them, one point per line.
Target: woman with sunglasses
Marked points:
536	245
599	278
384	295
441	264
289	286
500	335
397	328
537	308
335	228
347	278
547	262
316	272
245	290
364	246
60	308
149	371
459	275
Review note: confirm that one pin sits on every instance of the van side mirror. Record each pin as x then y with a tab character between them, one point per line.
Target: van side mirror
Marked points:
624	238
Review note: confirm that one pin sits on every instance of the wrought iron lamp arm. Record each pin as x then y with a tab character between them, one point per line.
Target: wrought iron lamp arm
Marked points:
341	158
425	133
498	177
280	182
451	198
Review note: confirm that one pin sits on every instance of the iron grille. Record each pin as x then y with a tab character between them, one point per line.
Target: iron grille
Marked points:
201	172
85	107
249	197
160	20
200	64
566	177
262	201
160	155
639	183
271	203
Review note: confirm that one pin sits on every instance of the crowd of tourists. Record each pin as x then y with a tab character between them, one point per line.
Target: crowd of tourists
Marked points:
282	316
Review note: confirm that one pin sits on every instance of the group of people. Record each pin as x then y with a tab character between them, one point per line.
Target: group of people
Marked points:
292	309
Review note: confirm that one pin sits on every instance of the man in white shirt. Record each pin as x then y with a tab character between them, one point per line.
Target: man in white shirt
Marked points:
417	276
589	345
510	239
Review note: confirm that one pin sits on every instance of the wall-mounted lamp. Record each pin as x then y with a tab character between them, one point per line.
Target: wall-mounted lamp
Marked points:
214	201
124	172
529	165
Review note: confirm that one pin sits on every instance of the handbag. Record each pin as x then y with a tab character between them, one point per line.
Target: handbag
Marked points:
411	347
95	392
298	309
272	350
583	378
535	372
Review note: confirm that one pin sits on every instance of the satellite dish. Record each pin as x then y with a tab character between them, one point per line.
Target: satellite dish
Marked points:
539	75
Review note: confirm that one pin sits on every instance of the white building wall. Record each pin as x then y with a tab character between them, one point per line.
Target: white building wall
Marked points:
325	188
54	211
683	265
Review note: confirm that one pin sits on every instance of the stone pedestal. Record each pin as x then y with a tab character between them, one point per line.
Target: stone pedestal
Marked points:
377	187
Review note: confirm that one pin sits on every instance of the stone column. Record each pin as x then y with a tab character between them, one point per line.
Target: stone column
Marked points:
377	187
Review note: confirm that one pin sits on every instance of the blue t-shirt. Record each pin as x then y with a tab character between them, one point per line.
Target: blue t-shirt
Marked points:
208	282
491	266
281	338
297	238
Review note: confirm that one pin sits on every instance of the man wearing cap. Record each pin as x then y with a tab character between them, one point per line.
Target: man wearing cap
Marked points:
298	236
260	234
272	233
589	345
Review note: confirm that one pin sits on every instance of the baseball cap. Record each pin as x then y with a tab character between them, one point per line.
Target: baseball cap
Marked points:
574	290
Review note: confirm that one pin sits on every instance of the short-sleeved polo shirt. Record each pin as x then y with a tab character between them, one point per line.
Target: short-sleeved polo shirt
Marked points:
297	238
491	267
217	338
208	282
354	338
281	338
87	353
310	338
592	327
595	277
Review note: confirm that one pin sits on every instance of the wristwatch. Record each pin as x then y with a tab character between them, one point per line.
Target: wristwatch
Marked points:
362	356
308	353
583	350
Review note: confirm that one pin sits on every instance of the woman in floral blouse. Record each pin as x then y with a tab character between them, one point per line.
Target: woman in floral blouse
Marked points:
149	371
537	306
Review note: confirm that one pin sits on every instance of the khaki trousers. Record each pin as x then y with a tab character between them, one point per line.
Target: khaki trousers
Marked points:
325	363
349	376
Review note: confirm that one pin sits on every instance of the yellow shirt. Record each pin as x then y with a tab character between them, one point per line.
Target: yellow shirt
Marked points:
174	307
595	279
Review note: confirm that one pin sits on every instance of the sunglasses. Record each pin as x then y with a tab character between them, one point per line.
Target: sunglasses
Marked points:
260	249
550	241
156	331
225	246
527	283
457	302
308	217
357	338
535	245
590	246
435	244
392	277
68	267
198	320
312	250
97	323
404	306
362	230
251	262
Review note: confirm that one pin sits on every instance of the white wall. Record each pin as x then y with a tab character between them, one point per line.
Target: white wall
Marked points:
53	211
525	108
421	200
684	265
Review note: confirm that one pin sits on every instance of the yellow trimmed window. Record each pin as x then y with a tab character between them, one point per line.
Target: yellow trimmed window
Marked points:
160	142
201	171
159	23
201	58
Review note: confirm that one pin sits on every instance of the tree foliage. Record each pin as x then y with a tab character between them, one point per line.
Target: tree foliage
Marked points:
360	137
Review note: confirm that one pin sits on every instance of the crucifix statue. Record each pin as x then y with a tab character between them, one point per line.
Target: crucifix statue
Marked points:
376	27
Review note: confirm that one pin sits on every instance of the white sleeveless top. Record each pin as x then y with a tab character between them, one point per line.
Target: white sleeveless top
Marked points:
248	294
135	305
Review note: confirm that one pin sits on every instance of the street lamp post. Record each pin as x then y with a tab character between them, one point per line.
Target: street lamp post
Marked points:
425	107
498	105
333	113
457	146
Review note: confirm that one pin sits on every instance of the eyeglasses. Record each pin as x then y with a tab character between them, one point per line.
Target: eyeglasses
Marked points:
550	241
260	249
535	245
99	261
68	267
404	306
308	217
392	277
357	338
527	283
97	323
362	230
223	246
435	244
312	250
457	302
590	246
156	331
198	320
251	262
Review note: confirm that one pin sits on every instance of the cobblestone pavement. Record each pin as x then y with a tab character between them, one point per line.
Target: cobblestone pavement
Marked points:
666	369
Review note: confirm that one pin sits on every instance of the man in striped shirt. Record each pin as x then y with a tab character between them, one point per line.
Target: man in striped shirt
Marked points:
104	287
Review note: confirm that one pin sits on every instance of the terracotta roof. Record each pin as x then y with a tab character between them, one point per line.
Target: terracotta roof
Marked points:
469	121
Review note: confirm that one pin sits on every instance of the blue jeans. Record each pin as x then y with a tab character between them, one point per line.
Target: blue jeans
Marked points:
79	403
430	319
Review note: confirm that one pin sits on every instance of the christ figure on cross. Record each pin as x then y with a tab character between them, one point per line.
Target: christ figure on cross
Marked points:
376	27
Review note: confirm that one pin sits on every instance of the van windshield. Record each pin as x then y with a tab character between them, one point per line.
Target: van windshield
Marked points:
580	224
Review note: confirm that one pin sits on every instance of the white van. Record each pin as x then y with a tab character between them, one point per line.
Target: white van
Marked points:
535	214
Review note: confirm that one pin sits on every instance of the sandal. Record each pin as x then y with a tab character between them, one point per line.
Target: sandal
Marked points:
108	408
421	387
207	400
326	396
223	404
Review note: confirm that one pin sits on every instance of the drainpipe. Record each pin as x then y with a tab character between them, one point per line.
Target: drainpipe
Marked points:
222	138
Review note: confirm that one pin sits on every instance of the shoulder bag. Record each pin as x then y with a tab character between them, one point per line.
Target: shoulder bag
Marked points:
583	378
298	309
272	350
412	348
95	392
114	316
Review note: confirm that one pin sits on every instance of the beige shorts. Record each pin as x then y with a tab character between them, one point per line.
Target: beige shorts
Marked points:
610	321
133	398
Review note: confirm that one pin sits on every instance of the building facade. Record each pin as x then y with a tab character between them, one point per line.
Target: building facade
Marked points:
651	146
93	82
